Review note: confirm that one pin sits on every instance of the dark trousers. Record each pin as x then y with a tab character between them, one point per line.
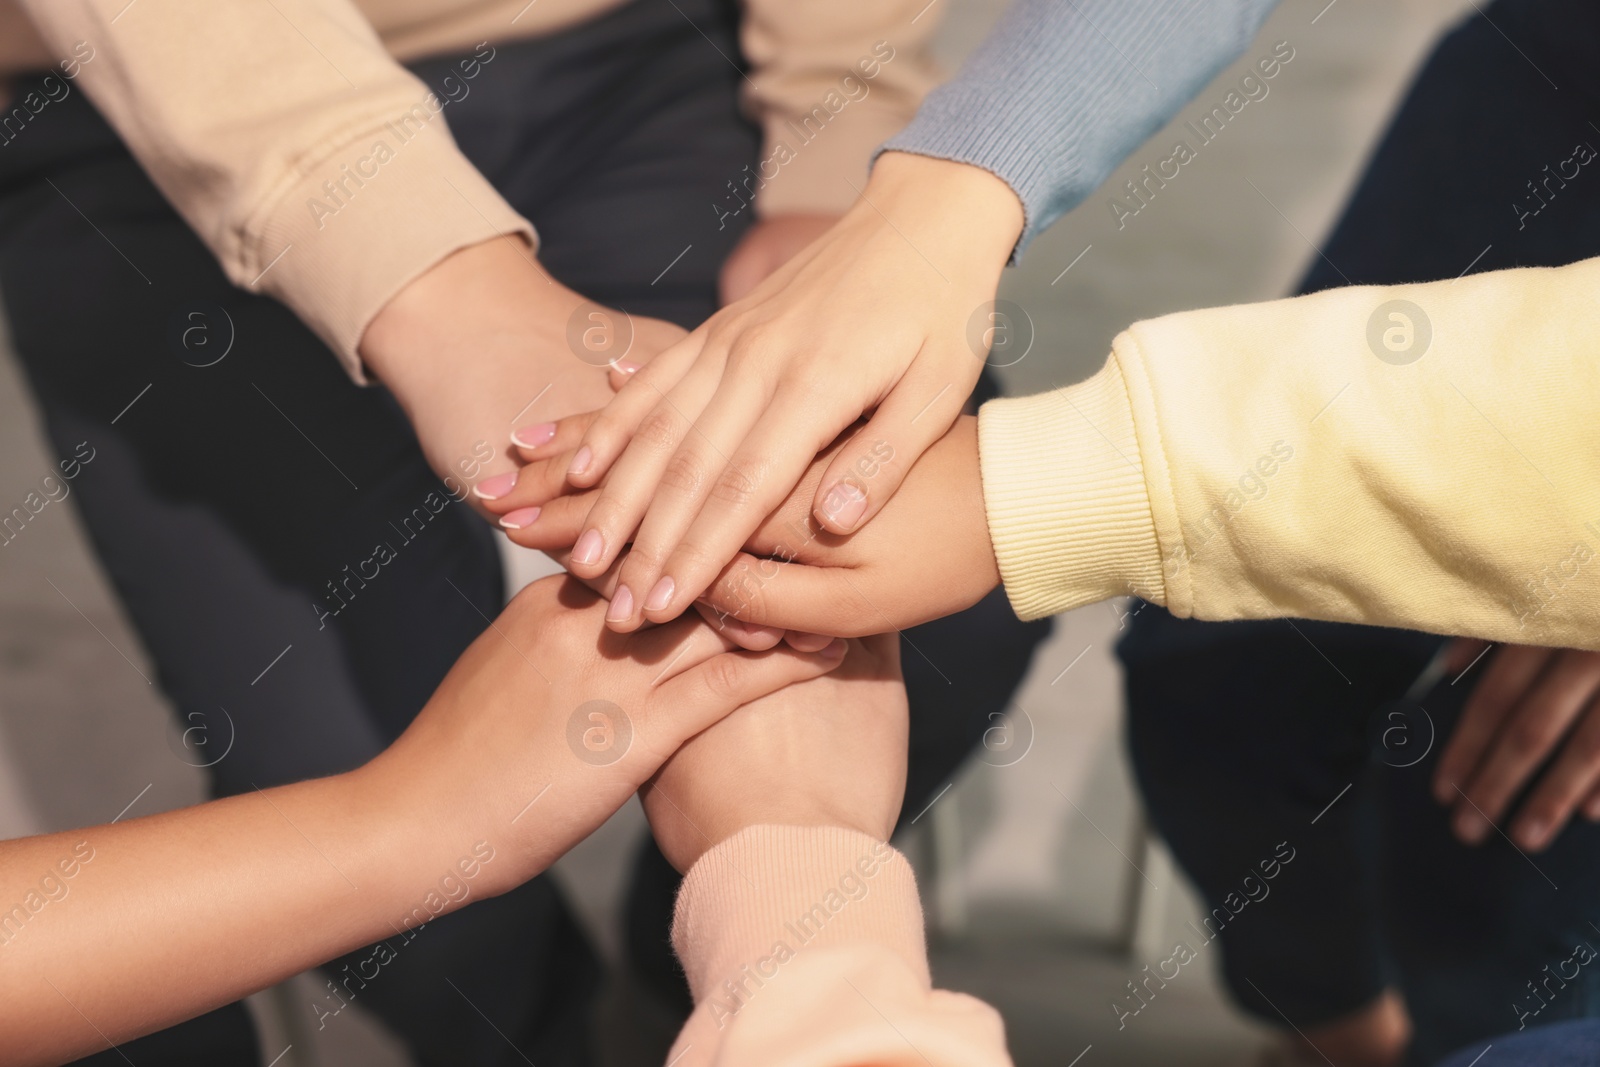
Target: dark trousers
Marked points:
1245	735
225	498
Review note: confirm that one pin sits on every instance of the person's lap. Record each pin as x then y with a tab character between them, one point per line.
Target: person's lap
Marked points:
1242	733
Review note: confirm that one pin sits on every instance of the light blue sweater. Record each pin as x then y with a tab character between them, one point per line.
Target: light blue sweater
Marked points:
1062	90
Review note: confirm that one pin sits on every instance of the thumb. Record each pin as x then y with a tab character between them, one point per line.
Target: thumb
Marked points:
704	694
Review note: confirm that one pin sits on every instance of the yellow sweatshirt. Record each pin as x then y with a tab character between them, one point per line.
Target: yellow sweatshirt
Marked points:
1422	456
242	110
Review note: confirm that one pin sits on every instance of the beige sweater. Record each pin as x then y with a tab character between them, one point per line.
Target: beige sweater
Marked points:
241	110
1421	456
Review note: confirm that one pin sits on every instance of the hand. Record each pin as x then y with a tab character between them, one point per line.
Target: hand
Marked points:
700	446
548	709
827	752
926	556
765	247
1529	703
481	339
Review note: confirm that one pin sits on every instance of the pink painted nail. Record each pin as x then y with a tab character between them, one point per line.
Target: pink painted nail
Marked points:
516	520
621	609
626	366
588	549
533	436
581	461
844	505
660	596
496	487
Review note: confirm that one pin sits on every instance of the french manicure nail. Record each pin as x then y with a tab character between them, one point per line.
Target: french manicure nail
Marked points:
581	461
844	505
496	487
621	609
660	596
533	436
588	548
516	520
626	366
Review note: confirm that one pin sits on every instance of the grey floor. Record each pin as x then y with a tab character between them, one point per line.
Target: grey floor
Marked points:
1029	864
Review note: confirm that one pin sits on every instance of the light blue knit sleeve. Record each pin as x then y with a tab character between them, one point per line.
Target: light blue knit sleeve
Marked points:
1062	90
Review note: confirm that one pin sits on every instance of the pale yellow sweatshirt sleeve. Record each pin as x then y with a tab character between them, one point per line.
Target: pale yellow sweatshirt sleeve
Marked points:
804	948
313	165
829	82
1421	456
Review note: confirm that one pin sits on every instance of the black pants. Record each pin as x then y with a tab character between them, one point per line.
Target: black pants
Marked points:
1243	733
226	497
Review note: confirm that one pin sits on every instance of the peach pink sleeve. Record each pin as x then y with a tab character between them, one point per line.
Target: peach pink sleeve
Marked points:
804	948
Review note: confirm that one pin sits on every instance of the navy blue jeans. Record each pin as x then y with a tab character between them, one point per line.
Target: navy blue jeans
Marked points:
1245	735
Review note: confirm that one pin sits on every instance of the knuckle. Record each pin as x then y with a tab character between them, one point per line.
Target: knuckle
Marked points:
684	473
738	483
722	675
658	431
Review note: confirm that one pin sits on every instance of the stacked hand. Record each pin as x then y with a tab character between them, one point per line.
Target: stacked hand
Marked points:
926	555
872	319
826	752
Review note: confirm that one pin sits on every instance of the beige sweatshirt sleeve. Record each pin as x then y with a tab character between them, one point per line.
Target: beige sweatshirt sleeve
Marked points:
828	83
313	165
1421	456
804	946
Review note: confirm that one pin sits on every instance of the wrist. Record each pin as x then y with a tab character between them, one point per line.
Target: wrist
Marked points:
952	205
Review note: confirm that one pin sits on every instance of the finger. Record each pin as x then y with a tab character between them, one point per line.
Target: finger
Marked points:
1463	653
551	527
695	541
801	641
1573	777
652	463
540	440
1528	736
867	471
701	696
617	424
1509	674
794	596
1591	805
750	637
530	486
620	372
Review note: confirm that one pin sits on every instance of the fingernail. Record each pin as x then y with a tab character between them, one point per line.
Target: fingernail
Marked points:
1532	832
844	505
496	487
660	596
581	461
1471	827
588	548
533	436
621	609
516	520
836	648
626	366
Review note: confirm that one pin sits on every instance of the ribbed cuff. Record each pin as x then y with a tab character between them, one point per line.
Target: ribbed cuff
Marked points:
359	224
768	893
1064	486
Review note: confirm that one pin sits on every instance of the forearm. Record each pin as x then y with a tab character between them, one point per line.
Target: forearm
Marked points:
114	931
1062	90
1315	458
808	938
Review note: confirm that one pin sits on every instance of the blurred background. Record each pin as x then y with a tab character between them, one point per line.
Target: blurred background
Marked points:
1043	893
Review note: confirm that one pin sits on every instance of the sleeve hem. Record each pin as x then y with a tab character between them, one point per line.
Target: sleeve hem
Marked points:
1064	487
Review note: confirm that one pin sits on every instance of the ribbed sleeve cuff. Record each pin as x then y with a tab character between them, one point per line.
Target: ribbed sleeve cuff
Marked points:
354	227
769	893
1064	486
